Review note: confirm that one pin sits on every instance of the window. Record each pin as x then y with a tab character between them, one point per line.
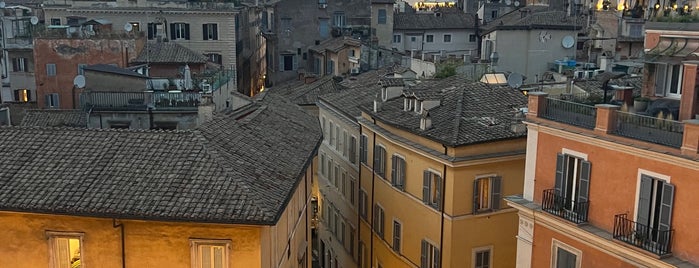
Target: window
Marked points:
380	160
153	30
363	152
353	183
381	18
214	57
635	30
336	176
210	253
413	39
472	38
668	80
210	31
322	164
481	258
447	38
330	169
429	38
65	249
493	14
378	220
81	68
352	233
431	189
52	100
363	204
344	145
396	38
23	95
55	21
343	185
352	154
19	65
50	69
363	263
338	141
398	172
564	256
287	62
179	31
429	255
572	182
396	235
339	19
654	209
21	28
486	194
341	235
330	67
323	27
135	26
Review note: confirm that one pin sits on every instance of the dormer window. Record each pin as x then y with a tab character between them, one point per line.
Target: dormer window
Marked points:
407	104
418	106
384	94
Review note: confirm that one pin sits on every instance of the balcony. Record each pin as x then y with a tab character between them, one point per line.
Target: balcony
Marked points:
606	121
140	101
571	210
642	236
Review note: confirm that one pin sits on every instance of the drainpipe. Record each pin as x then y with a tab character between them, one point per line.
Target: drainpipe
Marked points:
441	228
123	250
359	215
373	177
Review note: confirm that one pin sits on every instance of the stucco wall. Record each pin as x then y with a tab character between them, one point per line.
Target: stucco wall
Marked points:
147	244
101	81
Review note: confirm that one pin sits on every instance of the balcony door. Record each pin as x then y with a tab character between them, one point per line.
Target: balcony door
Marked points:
654	210
572	181
668	80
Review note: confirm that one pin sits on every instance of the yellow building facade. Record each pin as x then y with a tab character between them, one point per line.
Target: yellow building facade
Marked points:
429	191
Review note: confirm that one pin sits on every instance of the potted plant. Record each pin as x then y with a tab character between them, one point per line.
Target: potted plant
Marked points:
640	104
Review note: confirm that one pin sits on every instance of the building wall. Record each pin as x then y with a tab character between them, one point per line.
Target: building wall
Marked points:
141	119
614	187
147	243
101	81
383	32
459	44
522	52
66	54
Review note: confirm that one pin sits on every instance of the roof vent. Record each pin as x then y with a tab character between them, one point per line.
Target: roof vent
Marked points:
425	120
438	14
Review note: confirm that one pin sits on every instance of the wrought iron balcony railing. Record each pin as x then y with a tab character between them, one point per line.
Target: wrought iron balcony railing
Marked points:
642	236
650	129
569	112
571	210
140	100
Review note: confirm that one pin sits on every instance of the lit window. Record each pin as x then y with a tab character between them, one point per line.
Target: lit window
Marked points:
65	249
210	253
486	194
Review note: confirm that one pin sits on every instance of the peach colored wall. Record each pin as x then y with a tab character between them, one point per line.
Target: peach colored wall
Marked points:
541	251
613	187
688	107
148	244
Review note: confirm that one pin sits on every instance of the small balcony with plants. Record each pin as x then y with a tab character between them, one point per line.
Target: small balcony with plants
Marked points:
654	240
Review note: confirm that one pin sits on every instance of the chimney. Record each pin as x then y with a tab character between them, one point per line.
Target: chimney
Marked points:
425	120
377	103
205	110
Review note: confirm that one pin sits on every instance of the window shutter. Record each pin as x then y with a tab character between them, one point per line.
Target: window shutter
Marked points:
438	184
15	65
151	30
215	29
435	258
205	32
17	95
186	31
394	178
376	159
218	257
644	200
660	73
666	207
396	236
375	218
426	187
584	188
495	189
25	67
173	32
206	256
476	196
281	68
558	185
423	254
47	100
296	66
401	179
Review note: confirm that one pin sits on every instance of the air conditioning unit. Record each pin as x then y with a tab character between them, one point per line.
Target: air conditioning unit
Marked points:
354	70
322	5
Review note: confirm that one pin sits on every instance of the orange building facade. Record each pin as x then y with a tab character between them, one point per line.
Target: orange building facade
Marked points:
609	188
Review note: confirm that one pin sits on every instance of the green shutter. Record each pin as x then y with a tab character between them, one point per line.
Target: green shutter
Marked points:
476	197
438	197
173	33
435	258
668	195
426	187
644	200
394	179
584	183
558	184
423	254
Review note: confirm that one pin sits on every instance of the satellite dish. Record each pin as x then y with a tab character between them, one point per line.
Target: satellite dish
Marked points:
515	80
128	27
2	4
79	81
568	41
508	2
34	20
516	3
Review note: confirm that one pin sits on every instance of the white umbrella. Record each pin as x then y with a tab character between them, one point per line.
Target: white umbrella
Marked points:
187	78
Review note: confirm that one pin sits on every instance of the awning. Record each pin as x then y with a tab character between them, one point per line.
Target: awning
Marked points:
673	50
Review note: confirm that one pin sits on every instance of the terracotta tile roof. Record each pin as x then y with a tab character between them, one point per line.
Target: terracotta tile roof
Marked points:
336	44
55	118
168	52
306	94
241	167
534	17
429	21
106	68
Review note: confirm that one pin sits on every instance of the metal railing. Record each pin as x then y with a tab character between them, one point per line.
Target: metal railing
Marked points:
650	129
642	236
140	100
563	207
571	113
